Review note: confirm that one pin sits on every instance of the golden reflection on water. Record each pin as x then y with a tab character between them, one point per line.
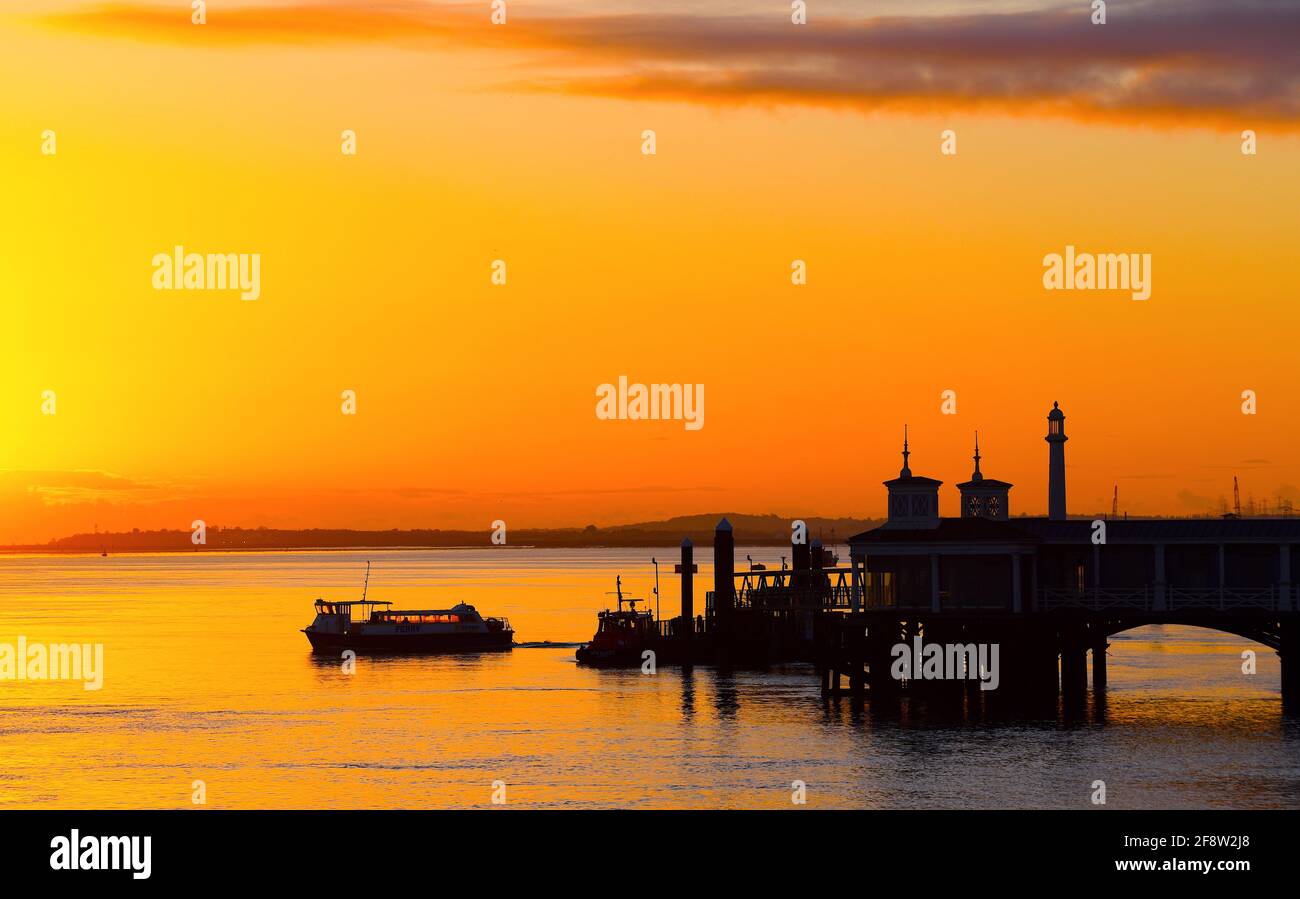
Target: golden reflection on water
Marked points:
208	678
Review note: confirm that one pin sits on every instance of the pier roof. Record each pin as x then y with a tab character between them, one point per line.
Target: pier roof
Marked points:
914	480
1140	531
985	484
1167	530
950	530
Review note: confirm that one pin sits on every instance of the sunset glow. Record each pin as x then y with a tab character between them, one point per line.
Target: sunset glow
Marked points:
477	401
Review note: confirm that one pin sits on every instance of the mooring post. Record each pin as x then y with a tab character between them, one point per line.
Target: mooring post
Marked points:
724	574
815	570
687	569
801	561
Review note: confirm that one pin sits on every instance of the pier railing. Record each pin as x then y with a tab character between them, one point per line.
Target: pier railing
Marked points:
839	596
778	591
1141	598
1175	598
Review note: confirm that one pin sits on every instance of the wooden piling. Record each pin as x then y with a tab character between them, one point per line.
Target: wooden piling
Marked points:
687	569
724	580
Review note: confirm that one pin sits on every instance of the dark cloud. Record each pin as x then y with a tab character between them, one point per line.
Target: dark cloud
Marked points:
1159	61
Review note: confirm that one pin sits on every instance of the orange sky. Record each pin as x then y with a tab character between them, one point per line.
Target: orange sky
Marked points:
523	142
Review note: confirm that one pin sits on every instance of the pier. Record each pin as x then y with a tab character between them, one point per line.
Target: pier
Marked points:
1047	592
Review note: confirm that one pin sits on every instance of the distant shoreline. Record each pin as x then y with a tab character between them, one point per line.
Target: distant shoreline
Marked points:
219	550
750	530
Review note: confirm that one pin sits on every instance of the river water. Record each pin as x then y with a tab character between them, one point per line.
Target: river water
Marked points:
208	679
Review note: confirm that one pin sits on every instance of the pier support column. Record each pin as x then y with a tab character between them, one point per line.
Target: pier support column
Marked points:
1074	666
1099	665
687	569
1290	656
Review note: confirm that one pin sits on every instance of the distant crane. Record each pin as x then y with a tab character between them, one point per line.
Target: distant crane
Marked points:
1114	503
1236	500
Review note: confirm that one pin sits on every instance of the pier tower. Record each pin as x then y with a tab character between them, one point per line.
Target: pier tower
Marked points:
1056	463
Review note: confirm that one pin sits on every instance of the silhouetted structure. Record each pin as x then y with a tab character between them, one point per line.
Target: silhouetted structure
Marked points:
983	497
1046	591
1049	588
1056	463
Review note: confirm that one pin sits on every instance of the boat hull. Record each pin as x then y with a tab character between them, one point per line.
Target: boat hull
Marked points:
598	658
493	641
624	657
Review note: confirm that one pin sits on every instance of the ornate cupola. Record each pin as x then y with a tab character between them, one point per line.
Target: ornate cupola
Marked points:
983	497
913	500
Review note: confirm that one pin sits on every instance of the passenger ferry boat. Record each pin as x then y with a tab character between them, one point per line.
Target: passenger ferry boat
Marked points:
368	625
621	636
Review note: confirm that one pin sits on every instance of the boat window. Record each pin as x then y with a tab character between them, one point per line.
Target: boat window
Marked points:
403	618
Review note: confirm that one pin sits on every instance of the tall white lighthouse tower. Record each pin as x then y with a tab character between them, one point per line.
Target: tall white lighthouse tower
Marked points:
1056	463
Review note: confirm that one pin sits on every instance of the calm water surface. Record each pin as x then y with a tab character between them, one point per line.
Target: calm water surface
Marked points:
208	678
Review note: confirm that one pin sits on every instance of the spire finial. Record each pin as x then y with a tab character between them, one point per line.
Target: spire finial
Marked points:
977	476
906	472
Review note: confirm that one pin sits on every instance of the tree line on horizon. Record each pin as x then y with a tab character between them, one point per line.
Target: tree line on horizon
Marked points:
771	530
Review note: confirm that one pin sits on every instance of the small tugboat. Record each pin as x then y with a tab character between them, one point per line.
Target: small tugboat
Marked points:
368	625
621	636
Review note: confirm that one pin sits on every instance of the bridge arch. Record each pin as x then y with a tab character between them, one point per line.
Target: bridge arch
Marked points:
1267	632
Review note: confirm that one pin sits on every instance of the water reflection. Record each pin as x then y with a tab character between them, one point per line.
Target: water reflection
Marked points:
207	676
688	693
725	693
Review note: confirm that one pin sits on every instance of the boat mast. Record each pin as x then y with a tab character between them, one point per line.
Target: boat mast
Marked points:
366	586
